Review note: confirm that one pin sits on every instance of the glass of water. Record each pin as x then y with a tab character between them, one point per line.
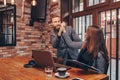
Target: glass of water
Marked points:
48	71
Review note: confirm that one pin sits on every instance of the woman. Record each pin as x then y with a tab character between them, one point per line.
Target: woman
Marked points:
93	52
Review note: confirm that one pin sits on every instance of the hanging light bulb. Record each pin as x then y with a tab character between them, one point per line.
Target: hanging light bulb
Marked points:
33	2
54	0
5	2
12	1
119	16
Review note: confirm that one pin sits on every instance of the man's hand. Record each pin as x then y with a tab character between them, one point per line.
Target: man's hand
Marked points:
63	25
62	29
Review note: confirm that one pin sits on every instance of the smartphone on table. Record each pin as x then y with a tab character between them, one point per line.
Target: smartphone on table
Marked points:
76	78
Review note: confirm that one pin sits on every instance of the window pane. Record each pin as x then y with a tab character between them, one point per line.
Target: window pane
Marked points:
7	26
81	24
80	28
90	2
102	20
101	1
81	5
119	39
90	19
108	21
76	25
113	22
94	2
8	36
77	5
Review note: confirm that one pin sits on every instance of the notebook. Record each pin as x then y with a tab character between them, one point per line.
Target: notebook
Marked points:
44	58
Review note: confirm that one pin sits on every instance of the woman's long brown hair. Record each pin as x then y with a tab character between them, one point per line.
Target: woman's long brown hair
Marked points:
95	42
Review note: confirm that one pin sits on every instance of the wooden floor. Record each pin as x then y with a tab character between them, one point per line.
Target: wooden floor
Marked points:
12	69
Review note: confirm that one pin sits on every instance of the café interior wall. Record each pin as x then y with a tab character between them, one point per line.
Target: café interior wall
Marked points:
29	38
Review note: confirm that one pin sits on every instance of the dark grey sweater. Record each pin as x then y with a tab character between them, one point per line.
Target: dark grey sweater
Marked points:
62	44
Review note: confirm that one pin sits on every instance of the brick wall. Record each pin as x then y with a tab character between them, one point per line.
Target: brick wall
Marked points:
29	38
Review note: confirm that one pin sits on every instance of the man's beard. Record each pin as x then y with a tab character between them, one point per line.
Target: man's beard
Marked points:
57	27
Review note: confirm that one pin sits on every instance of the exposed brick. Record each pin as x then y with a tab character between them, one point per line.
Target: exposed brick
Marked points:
31	38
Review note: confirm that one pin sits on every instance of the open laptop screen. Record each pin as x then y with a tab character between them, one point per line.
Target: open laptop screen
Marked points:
43	58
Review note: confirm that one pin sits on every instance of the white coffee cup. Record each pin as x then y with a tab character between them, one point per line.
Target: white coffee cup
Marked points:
61	71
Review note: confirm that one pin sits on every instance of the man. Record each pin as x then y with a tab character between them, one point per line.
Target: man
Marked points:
58	41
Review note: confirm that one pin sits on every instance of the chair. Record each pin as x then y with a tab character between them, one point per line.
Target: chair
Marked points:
106	68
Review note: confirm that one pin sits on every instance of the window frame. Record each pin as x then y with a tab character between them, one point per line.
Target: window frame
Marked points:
96	5
78	7
12	9
115	4
82	32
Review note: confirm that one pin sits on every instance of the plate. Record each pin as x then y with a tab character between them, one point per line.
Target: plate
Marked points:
65	76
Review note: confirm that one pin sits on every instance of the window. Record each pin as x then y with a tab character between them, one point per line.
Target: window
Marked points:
94	2
8	25
105	13
81	24
109	21
77	5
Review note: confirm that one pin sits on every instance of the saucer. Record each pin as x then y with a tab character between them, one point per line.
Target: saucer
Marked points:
65	76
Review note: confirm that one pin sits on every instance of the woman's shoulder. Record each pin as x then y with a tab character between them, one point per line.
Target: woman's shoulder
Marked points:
100	54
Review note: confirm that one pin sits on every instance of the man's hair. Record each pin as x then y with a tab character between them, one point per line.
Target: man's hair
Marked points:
54	16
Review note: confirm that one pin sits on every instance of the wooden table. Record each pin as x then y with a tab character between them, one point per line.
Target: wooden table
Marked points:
12	69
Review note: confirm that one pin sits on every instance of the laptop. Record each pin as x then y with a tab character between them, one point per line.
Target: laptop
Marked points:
44	58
